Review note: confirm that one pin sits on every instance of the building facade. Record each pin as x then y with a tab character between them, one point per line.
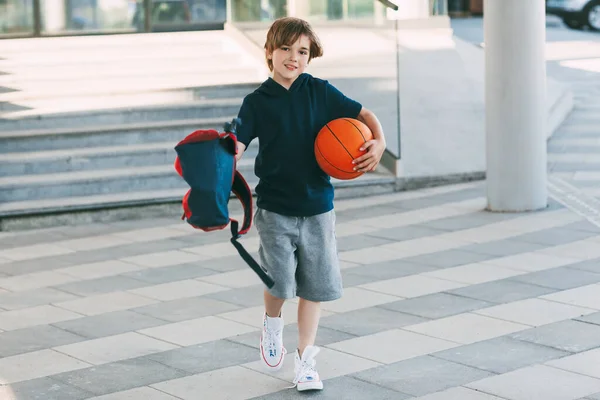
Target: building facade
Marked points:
27	18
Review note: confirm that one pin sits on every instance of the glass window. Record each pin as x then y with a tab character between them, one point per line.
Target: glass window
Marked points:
16	16
335	10
59	16
172	15
258	10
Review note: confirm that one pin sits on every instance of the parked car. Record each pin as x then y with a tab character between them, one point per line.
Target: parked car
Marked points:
576	14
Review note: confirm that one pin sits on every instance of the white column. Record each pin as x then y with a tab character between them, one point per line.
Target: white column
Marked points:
515	103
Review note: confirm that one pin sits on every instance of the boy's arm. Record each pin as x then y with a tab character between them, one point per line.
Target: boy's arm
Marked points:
375	148
240	148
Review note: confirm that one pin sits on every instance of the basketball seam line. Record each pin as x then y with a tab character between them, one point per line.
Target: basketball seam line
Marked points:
329	162
342	144
359	131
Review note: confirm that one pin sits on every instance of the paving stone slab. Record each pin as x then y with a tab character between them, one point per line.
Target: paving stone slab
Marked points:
449	258
388	269
571	335
27	238
109	324
226	264
502	248
138	249
590	318
402	233
585	363
141	393
437	305
115	348
241	383
422	375
46	389
554	236
588	265
459	393
160	275
246	297
353	214
583	225
559	278
392	346
357	242
370	320
186	309
207	356
502	291
333	388
35	338
34	298
31	266
467	221
104	285
351	280
538	382
500	355
119	376
466	328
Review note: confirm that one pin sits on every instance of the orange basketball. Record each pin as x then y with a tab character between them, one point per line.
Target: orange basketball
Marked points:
338	143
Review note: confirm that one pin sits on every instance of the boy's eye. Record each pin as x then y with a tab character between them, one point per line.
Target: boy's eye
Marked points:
285	48
304	53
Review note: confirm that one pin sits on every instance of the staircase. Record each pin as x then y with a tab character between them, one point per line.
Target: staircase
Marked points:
86	136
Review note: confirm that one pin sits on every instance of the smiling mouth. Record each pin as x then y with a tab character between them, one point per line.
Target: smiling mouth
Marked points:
291	67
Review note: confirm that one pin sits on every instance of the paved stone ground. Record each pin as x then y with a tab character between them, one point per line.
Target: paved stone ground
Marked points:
442	301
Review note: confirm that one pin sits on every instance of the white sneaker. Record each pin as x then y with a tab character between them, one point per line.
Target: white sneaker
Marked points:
307	377
271	343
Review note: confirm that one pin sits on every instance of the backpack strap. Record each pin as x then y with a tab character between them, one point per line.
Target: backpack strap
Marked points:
242	191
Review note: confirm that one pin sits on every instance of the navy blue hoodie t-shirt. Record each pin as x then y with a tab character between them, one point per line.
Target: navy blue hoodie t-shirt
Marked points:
286	123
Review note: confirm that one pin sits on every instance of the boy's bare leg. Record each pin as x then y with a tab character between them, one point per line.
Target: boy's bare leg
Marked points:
309	313
273	305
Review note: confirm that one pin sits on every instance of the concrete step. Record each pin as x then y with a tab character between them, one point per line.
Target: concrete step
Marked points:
115	55
116	135
28	214
93	158
102	42
96	182
28	90
114	119
107	68
157	49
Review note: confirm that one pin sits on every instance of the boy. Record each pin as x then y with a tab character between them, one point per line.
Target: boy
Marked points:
294	217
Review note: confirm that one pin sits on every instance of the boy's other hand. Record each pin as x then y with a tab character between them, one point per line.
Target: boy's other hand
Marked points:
370	160
239	151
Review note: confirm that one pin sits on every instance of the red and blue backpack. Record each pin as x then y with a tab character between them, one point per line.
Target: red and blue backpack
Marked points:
206	161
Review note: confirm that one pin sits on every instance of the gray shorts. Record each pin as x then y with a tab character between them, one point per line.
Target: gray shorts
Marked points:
300	254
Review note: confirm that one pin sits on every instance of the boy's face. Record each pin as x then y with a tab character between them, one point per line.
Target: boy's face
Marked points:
290	61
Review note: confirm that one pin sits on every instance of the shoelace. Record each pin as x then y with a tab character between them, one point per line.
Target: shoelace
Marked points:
270	336
307	368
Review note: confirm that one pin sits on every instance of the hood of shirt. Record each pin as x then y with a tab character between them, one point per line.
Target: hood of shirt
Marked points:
272	88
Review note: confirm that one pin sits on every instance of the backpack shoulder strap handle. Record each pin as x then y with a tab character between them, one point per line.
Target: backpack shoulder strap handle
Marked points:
243	193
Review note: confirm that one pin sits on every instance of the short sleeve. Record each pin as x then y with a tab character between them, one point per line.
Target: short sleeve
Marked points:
246	132
340	106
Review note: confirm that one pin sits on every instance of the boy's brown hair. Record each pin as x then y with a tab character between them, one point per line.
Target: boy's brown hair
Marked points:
285	32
